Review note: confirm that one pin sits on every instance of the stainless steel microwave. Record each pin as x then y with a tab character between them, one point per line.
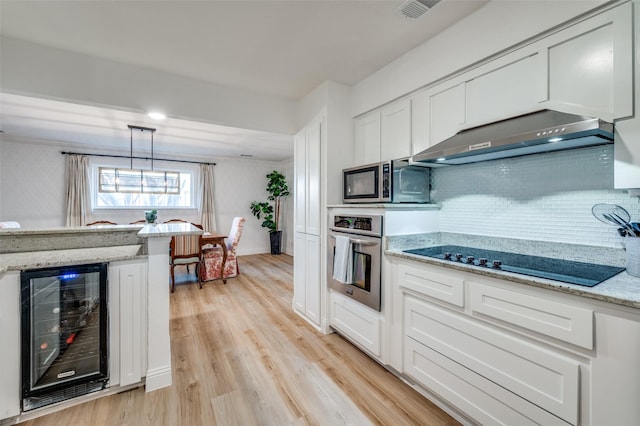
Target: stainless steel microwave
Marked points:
395	181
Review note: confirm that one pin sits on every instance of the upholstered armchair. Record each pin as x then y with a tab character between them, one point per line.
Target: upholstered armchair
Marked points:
212	256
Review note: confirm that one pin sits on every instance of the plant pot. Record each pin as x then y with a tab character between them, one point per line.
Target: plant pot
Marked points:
276	240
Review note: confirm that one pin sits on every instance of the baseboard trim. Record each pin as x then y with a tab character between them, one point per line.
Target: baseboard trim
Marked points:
158	378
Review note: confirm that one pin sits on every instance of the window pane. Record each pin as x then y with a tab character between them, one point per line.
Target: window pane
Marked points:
142	188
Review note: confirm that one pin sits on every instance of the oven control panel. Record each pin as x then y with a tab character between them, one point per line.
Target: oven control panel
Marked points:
360	224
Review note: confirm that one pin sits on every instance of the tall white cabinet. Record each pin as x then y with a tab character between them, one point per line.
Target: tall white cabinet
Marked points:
306	272
323	147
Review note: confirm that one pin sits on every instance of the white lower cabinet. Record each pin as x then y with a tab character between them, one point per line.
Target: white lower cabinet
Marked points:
357	322
506	353
10	347
127	322
536	374
306	276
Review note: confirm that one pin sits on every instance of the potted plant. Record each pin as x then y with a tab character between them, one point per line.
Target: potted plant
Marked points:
277	188
151	215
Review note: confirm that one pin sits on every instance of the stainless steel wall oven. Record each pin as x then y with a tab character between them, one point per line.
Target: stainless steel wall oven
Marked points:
365	236
64	333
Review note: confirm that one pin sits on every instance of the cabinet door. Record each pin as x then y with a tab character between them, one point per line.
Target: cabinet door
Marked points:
419	122
299	272
300	170
544	377
313	175
312	292
509	90
590	66
357	321
10	348
127	287
446	112
396	130
367	138
616	367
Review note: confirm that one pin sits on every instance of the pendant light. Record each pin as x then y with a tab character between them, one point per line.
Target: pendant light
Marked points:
142	129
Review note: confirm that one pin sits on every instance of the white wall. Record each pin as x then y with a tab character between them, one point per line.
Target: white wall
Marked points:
35	70
495	27
32	191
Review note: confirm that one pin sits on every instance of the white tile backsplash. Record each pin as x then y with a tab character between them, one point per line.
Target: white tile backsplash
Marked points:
544	197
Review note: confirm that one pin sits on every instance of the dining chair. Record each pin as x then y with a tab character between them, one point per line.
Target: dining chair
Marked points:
101	222
185	250
212	257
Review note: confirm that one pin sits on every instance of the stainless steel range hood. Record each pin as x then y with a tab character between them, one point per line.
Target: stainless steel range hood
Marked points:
540	131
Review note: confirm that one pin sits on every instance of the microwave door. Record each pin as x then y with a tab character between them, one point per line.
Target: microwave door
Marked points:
361	184
411	184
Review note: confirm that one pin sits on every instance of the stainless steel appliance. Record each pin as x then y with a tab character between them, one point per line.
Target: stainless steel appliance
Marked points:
64	333
540	131
579	273
365	235
395	181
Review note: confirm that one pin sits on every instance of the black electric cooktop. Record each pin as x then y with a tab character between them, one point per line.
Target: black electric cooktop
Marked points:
580	273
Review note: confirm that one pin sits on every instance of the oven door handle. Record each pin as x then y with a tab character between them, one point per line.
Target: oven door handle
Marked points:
361	242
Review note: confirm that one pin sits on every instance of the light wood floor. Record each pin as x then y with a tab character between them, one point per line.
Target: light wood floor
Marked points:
240	356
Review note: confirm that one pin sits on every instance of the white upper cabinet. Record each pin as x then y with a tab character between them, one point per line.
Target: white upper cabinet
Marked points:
514	85
445	112
307	179
300	185
419	122
396	130
367	138
589	66
314	212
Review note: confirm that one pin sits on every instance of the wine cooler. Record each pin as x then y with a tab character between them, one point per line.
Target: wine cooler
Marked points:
64	333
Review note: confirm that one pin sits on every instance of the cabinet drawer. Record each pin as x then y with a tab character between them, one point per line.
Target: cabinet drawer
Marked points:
560	320
543	377
357	322
444	286
486	402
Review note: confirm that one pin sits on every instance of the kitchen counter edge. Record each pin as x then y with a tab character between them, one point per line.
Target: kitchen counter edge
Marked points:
622	289
52	258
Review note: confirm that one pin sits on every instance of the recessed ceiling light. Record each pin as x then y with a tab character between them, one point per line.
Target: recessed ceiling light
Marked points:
157	115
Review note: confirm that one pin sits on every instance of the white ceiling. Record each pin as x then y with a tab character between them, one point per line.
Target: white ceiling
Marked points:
106	129
280	48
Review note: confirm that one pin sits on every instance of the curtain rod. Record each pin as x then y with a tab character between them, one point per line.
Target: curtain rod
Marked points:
136	158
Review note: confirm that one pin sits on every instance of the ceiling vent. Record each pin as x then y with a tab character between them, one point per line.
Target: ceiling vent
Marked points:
414	9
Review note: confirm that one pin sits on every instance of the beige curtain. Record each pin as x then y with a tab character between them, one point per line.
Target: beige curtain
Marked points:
77	189
207	210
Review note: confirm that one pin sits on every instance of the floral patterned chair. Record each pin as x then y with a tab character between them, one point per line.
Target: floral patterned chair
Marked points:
212	256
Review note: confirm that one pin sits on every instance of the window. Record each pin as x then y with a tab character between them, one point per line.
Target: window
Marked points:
138	181
122	187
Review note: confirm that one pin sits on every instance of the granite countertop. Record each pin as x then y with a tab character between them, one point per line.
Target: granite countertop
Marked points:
622	289
144	231
68	230
44	259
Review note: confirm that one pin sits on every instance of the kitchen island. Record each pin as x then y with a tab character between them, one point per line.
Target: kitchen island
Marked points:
138	301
